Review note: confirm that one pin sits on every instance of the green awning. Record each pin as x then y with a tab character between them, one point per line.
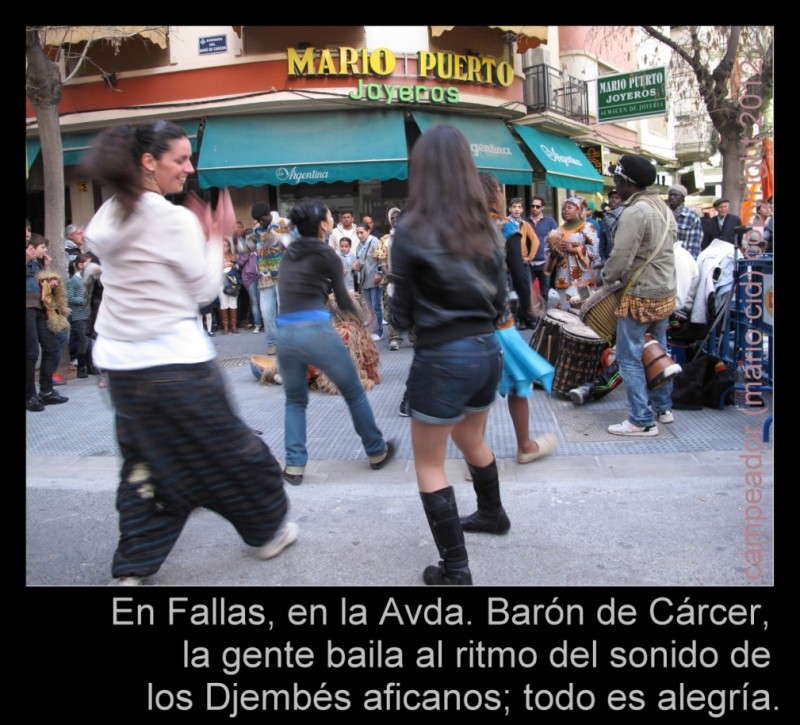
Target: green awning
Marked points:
564	163
32	148
494	149
307	148
76	145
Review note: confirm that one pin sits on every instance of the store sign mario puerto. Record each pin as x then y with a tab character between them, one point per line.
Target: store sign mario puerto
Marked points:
382	63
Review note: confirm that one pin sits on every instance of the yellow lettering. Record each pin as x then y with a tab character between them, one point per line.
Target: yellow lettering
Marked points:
426	62
348	61
297	65
459	72
474	72
382	62
326	62
505	75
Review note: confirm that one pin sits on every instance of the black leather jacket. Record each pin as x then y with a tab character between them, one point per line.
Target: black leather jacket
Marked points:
444	296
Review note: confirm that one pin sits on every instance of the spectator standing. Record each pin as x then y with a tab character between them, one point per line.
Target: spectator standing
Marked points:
372	271
39	331
542	225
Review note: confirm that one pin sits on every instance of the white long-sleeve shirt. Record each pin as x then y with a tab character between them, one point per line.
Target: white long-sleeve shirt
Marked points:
158	270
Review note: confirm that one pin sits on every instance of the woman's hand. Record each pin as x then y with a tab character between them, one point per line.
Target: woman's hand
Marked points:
215	221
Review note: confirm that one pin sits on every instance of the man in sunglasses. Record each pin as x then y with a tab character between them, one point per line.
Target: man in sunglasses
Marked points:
541	225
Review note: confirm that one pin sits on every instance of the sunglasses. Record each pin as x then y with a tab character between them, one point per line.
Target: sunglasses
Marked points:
536	206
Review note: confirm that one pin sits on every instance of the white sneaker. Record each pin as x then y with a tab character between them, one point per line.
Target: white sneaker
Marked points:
285	536
394	345
376	336
256	329
665	417
128	581
626	428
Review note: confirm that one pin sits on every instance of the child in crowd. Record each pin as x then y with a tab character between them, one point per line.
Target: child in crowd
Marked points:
80	306
347	258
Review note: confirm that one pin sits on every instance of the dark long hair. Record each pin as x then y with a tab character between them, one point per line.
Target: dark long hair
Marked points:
445	194
307	215
115	156
79	259
492	191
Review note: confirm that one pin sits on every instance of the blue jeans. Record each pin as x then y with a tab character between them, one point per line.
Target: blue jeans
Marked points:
630	343
255	303
318	344
544	280
374	298
268	302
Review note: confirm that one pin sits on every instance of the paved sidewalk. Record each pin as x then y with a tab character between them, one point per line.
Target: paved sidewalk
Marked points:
602	510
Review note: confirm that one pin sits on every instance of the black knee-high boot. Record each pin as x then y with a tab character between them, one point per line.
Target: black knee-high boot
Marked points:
442	512
491	516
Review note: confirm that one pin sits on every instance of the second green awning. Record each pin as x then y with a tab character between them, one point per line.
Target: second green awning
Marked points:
564	164
308	148
494	149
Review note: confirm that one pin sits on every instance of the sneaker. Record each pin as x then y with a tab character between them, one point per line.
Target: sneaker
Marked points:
387	456
34	404
52	398
665	417
256	329
58	380
376	336
580	394
394	345
73	363
404	410
295	477
128	581
626	428
285	536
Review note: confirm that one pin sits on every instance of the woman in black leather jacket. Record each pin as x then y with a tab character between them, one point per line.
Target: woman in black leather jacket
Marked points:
448	266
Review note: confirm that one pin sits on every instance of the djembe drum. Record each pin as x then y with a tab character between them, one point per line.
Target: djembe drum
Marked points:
659	367
578	357
548	337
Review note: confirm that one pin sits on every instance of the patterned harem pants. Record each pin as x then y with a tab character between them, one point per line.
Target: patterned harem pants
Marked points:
183	447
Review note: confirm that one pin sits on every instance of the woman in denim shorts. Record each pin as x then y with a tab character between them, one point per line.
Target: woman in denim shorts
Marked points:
448	267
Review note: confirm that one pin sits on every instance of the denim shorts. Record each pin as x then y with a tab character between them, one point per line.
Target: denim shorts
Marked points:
450	380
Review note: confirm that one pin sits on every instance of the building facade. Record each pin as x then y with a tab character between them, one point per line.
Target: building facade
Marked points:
332	112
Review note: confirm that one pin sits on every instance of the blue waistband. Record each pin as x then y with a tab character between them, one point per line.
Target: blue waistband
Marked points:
302	317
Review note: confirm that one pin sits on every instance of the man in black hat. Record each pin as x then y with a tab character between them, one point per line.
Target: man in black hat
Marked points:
643	246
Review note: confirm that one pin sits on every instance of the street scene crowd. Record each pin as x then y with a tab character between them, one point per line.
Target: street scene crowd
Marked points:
456	273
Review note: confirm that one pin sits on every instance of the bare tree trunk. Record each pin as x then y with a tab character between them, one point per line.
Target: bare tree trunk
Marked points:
44	89
731	148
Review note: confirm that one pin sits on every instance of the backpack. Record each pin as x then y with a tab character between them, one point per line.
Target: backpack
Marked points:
702	382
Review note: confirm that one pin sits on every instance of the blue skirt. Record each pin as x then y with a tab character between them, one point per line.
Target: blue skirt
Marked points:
522	365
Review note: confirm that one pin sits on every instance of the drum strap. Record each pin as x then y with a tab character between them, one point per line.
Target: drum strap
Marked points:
632	281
